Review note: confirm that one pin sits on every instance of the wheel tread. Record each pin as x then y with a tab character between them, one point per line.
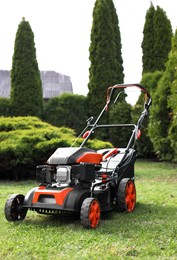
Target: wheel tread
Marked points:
9	208
121	196
84	213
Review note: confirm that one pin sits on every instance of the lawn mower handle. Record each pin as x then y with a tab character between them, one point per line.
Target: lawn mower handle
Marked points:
110	93
111	90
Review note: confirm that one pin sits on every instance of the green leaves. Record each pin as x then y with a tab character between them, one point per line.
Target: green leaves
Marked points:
5	106
156	42
106	66
67	110
26	86
27	141
162	128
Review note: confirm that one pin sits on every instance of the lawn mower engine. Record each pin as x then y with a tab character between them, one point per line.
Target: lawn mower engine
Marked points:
83	173
66	166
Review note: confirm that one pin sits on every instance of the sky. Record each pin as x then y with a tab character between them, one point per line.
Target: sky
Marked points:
62	35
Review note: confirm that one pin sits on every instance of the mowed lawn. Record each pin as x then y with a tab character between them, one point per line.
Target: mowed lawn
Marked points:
150	232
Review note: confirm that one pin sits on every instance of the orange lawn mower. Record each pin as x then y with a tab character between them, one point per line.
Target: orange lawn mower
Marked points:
82	180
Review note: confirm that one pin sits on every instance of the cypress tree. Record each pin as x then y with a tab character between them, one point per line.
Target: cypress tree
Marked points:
156	42
144	145
26	86
162	128
162	38
156	45
115	23
106	67
172	104
105	54
148	41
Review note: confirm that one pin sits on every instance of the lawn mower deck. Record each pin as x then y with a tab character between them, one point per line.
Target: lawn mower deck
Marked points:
82	180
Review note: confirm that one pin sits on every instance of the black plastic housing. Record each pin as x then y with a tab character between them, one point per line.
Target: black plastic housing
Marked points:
45	174
83	172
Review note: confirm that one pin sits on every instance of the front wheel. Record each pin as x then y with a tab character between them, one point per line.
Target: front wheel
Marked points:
13	209
90	213
126	196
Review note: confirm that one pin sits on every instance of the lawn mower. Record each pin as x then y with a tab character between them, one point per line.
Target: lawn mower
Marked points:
82	180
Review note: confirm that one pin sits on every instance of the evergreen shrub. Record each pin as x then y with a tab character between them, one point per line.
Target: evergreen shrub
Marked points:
26	84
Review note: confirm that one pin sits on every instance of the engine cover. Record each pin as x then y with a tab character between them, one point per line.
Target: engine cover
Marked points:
67	155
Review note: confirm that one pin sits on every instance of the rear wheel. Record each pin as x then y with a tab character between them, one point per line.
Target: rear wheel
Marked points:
126	197
13	209
90	213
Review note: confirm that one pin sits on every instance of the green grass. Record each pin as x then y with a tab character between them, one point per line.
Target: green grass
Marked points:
150	232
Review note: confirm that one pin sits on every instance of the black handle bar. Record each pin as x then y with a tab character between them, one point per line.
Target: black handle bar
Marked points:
111	90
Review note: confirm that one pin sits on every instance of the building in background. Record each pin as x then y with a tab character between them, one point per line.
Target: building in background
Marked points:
53	84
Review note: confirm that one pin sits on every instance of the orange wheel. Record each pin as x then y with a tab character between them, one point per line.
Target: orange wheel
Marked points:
126	198
90	213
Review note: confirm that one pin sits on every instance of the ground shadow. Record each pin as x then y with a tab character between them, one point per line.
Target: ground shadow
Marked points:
142	212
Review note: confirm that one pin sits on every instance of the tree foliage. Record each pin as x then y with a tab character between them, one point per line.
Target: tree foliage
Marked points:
162	38
106	67
144	145
150	81
172	104
156	45
156	42
148	41
162	128
5	107
26	86
120	114
68	110
105	53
